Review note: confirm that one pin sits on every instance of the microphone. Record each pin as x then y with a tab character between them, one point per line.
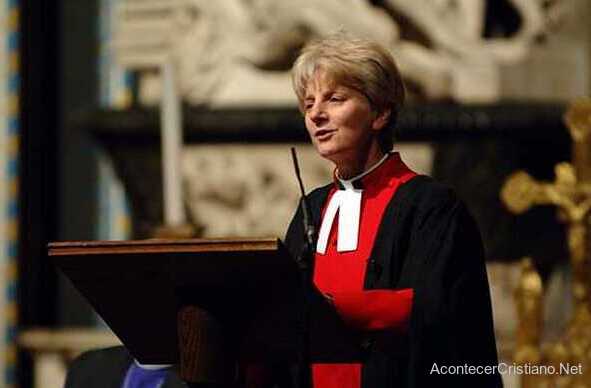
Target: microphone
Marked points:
309	228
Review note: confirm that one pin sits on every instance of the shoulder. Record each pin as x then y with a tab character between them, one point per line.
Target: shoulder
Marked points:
96	367
118	353
320	193
316	198
424	191
425	201
115	355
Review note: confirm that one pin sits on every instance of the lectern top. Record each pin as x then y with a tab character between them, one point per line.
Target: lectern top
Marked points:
69	248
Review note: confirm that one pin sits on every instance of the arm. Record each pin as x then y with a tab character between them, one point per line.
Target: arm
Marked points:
375	309
99	368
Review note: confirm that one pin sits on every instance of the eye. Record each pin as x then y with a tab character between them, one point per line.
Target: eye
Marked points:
336	98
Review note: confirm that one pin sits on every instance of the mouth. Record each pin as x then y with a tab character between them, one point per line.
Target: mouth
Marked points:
324	134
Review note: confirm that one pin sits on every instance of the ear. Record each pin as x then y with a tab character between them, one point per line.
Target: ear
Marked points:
381	120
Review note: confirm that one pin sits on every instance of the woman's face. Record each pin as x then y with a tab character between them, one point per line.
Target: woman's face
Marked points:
339	119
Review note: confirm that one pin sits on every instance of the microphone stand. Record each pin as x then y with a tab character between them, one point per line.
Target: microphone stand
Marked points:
304	261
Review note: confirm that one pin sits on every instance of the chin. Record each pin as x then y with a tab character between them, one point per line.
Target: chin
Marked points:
331	154
326	151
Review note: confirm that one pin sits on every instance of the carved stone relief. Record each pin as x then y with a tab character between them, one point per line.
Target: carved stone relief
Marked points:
238	52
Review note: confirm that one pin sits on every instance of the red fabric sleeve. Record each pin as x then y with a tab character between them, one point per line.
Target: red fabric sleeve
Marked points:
375	309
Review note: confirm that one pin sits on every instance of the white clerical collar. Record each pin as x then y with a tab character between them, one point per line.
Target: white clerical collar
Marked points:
347	203
349	183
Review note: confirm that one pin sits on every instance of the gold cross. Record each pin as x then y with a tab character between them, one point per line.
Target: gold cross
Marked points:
571	194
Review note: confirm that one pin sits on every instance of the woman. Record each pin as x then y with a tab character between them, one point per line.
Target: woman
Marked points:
397	254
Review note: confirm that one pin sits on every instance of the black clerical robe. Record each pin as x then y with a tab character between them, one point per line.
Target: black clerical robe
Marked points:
427	241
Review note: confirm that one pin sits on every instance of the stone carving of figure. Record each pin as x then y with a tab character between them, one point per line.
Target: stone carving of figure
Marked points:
238	52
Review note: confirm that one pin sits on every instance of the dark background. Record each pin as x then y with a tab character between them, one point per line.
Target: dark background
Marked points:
59	49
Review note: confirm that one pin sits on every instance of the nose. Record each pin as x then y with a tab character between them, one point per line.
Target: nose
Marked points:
317	114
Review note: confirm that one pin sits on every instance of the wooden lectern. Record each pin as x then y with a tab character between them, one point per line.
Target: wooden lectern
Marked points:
202	304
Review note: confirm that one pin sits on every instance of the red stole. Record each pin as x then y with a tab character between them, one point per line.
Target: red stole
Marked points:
342	274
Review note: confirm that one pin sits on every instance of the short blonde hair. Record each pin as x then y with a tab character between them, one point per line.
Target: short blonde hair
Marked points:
360	64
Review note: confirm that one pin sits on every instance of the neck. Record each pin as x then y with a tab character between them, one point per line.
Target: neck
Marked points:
347	169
